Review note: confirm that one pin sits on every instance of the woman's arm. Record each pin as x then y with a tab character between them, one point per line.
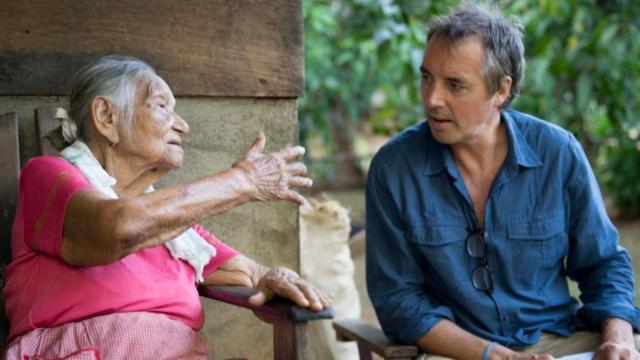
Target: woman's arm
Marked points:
286	283
238	270
99	230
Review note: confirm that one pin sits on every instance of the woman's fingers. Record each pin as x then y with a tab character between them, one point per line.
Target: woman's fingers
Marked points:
293	292
311	295
282	282
273	176
290	152
296	168
258	144
324	298
261	296
286	283
294	196
300	181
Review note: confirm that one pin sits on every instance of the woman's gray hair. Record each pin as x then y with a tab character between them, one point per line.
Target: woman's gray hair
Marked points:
504	48
114	77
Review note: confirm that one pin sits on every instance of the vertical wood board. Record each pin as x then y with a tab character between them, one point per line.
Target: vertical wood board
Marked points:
9	168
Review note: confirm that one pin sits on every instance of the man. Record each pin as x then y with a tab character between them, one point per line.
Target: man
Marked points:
476	217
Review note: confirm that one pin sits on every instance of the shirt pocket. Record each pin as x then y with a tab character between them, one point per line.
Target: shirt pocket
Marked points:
438	235
442	246
536	248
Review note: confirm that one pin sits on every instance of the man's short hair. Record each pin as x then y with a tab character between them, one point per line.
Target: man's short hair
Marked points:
504	49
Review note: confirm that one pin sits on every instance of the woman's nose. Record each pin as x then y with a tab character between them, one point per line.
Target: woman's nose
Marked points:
180	124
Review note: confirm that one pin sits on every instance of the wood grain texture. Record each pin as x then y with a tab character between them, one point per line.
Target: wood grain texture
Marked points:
46	123
201	47
9	168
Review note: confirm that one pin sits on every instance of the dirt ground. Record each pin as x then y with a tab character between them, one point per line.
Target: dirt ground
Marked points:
354	200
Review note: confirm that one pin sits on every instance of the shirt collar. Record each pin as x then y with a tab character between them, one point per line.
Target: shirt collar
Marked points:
520	153
519	148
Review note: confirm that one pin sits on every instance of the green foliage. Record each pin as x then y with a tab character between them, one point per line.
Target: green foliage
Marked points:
618	163
583	72
583	65
361	61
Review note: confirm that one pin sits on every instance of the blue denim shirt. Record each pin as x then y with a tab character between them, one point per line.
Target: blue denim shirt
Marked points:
544	220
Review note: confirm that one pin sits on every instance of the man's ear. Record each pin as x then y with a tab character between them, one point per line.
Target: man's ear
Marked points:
105	119
503	92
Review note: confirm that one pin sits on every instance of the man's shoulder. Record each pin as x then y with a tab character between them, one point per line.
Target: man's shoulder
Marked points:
409	142
539	133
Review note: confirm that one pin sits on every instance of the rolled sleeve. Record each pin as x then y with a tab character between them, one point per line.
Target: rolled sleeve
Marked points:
596	261
395	281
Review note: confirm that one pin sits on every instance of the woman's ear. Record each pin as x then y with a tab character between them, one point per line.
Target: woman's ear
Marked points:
105	119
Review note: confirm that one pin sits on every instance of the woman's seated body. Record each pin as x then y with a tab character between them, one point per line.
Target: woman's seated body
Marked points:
106	267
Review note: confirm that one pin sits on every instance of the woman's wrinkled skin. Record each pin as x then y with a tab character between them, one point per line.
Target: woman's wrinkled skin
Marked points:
272	176
142	154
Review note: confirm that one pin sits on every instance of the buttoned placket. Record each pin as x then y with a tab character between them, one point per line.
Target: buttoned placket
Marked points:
505	313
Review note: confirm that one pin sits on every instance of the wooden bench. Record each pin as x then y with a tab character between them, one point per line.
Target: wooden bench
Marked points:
288	320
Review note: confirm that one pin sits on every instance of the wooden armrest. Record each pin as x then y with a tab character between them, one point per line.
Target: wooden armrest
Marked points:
372	339
279	308
289	321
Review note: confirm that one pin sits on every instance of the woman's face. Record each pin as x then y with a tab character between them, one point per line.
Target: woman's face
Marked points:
155	138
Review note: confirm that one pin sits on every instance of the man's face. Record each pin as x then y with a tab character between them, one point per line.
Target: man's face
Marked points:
456	100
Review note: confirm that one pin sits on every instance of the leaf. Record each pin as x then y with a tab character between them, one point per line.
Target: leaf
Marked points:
583	91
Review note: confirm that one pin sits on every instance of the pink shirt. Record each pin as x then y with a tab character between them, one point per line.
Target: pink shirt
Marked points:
42	290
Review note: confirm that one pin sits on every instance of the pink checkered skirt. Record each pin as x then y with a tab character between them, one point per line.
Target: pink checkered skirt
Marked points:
136	335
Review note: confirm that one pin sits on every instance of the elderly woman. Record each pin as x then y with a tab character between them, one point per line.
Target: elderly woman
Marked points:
106	267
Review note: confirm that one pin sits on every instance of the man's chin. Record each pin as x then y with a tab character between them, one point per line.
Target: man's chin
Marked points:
442	137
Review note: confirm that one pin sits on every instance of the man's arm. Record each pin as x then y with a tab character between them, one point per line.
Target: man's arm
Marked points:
596	261
617	341
448	339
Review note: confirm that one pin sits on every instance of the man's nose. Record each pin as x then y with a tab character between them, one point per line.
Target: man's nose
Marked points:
432	95
180	124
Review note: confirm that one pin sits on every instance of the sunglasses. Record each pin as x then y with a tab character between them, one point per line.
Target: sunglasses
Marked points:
477	248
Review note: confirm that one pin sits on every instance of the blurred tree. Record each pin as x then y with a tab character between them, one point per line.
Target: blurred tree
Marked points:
361	61
583	72
583	65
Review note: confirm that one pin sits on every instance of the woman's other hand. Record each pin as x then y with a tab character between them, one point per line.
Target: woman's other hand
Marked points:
274	175
286	283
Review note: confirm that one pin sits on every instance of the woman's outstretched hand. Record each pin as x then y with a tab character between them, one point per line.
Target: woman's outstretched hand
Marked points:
287	284
274	175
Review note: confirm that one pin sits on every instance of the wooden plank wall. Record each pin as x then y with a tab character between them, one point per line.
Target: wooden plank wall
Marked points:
9	168
239	48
